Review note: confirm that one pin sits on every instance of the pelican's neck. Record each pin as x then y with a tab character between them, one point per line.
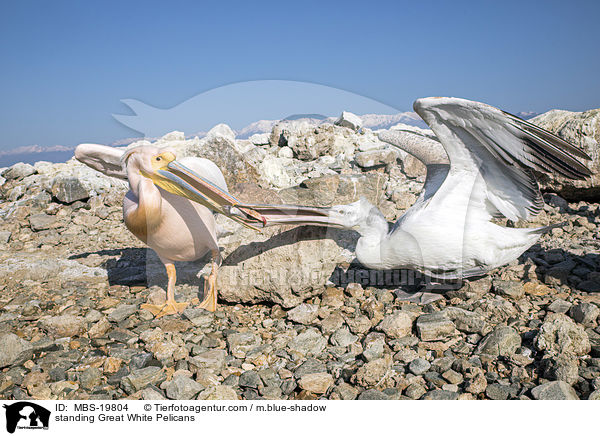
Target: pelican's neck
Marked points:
371	247
146	215
370	250
136	180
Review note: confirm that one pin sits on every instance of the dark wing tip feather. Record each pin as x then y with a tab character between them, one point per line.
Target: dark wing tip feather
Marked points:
549	137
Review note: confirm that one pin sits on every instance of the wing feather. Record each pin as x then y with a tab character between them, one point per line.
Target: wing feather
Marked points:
503	148
102	158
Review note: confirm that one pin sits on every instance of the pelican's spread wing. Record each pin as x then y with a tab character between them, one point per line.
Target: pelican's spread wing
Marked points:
102	158
503	148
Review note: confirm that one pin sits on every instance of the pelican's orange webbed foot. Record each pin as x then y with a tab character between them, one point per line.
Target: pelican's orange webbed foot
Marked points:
168	308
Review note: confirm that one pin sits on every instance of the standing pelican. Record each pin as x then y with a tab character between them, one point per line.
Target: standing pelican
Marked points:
170	207
485	172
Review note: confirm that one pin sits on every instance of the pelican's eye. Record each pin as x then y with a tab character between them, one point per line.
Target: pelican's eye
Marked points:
158	158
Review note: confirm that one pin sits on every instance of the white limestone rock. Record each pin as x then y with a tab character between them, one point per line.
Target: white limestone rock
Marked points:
581	129
222	131
259	138
349	120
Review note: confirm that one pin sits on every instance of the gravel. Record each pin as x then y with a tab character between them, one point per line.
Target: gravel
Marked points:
317	382
503	341
15	350
419	366
183	388
434	327
556	390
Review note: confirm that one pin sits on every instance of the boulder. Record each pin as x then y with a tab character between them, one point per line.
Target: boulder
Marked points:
304	313
15	350
371	373
503	341
259	138
555	390
141	378
278	172
281	266
183	388
563	368
72	181
41	221
583	130
318	382
218	393
559	334
434	327
16	267
69	189
336	189
397	325
220	148
18	171
221	131
309	141
64	325
310	342
373	158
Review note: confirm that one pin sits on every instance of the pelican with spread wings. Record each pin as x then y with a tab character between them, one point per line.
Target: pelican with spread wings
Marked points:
171	207
479	167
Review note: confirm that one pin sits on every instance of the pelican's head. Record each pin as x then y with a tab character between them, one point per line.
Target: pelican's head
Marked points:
153	163
162	167
146	160
360	216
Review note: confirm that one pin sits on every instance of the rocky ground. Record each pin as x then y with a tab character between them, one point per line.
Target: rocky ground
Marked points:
298	319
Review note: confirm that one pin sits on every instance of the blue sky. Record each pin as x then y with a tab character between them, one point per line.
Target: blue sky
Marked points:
66	65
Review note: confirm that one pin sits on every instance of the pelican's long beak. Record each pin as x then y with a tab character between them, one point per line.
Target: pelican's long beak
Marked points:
181	180
282	214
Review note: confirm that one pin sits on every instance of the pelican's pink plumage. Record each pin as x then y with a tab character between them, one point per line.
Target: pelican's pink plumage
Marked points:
170	206
176	228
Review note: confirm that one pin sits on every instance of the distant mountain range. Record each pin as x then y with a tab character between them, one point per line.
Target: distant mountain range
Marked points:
7	160
372	121
34	153
60	153
261	126
527	115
